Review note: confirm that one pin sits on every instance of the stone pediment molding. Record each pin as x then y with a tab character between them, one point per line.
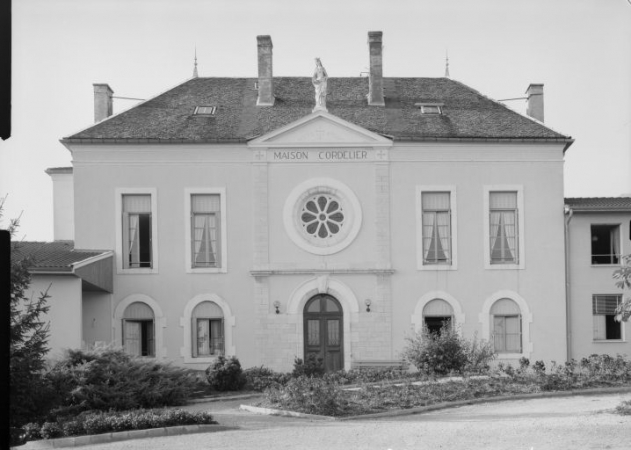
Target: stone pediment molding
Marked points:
322	130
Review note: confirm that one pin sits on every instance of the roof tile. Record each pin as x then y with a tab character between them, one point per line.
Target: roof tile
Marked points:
467	114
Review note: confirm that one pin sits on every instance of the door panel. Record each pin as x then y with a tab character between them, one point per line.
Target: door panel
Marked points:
323	331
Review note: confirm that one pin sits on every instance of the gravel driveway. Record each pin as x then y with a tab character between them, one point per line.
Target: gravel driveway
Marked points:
582	422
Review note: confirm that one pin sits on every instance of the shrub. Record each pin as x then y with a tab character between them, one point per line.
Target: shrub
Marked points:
479	354
260	378
309	395
51	430
624	408
226	374
312	366
106	422
110	379
445	352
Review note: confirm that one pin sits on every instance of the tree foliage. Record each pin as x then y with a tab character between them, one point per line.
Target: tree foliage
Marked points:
623	275
27	342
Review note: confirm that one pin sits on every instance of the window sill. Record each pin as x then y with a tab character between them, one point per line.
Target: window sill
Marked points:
206	270
143	271
608	266
432	267
609	341
489	266
208	360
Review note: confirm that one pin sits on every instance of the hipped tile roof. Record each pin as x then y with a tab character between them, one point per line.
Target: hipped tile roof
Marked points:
467	114
599	203
58	256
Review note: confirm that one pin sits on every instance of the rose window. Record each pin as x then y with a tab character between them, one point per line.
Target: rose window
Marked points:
322	216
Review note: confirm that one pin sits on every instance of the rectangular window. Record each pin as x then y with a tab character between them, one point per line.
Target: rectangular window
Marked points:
507	333
503	229
208	339
604	313
436	227
137	231
205	230
605	244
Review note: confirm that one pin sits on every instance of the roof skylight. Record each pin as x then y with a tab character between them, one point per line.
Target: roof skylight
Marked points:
205	110
430	108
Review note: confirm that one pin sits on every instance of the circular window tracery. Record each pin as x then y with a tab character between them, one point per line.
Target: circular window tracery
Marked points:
322	216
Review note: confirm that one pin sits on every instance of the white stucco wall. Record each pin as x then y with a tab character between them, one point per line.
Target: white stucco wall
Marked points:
97	318
587	280
65	313
63	206
380	264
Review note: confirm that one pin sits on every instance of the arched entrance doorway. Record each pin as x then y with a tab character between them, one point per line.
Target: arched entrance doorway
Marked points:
323	331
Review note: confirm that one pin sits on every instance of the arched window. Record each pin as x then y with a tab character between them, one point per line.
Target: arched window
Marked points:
436	314
138	330
506	326
208	330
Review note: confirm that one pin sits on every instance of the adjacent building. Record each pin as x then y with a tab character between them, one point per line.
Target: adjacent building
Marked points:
274	217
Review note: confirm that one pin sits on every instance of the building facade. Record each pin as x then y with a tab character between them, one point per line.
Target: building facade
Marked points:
274	217
598	234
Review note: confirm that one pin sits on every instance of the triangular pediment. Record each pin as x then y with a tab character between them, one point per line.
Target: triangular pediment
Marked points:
320	129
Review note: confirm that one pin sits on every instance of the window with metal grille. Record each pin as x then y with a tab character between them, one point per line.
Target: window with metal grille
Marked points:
436	227
503	232
604	313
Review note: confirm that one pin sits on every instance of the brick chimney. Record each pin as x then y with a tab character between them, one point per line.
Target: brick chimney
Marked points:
375	81
534	107
102	101
266	81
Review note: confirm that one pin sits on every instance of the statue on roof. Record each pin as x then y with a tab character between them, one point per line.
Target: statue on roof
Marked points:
319	80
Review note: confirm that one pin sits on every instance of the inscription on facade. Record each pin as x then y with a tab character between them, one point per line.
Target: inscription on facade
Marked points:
319	155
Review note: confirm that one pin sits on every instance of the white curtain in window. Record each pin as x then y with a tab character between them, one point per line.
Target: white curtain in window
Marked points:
436	226
600	327
216	336
513	334
443	234
615	245
503	226
132	338
134	241
203	337
205	238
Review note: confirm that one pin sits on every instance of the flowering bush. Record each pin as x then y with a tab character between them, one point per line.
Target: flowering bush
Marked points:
106	422
309	395
445	352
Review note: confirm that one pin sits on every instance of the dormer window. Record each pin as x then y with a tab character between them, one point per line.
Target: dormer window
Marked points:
430	108
205	110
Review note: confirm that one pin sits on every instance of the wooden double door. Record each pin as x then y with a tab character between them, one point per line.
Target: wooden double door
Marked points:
324	331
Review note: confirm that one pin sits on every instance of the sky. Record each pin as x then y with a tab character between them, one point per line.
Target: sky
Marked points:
579	49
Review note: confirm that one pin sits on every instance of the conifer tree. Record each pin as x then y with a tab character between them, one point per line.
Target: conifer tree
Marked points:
28	340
